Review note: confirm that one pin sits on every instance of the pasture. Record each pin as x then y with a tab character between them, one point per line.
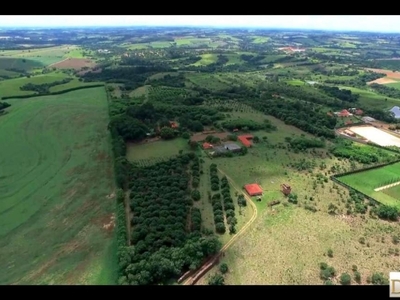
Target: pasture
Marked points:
395	84
45	56
372	99
376	135
206	59
259	39
57	191
11	87
146	154
19	64
369	180
305	230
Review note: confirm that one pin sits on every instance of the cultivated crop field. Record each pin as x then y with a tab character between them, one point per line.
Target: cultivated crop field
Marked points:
146	154
305	230
57	194
369	180
74	63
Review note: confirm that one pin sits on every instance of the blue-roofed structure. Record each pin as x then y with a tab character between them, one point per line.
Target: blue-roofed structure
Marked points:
396	111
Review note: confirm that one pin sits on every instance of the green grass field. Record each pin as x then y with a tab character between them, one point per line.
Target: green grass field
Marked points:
11	87
207	80
372	99
44	56
206	59
395	85
260	39
57	190
18	63
149	153
367	181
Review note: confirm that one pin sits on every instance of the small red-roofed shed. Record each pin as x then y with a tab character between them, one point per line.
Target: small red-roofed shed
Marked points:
253	189
207	146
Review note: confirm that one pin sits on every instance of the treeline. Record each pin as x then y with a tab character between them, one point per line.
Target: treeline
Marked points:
131	77
342	94
347	149
358	81
136	121
244	124
168	80
43	88
164	245
386	90
299	114
302	143
4	105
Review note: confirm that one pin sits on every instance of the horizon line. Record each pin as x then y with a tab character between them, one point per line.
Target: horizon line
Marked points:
188	26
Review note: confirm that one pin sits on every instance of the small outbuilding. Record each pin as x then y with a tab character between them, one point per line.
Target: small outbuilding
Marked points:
232	147
253	189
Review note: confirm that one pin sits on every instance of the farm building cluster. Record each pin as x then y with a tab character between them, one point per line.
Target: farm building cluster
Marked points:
349	112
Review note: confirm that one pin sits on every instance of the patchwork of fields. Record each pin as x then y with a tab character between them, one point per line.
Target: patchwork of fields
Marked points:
57	191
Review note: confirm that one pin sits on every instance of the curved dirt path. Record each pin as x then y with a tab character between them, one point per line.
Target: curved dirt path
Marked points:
189	281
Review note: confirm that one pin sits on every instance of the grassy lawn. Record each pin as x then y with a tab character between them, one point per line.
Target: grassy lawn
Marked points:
57	190
72	84
305	231
207	80
152	152
260	39
19	63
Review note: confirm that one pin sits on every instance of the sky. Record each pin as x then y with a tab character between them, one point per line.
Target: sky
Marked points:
329	22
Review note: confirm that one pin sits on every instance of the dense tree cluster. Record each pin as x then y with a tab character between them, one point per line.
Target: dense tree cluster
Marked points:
165	244
341	94
387	212
229	206
365	155
216	201
245	124
302	143
169	80
385	90
302	115
4	105
241	200
195	168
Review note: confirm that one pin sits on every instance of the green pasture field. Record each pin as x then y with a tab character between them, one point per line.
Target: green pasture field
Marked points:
72	84
395	85
234	59
192	41
8	74
75	53
373	99
19	64
57	191
296	82
393	192
206	59
367	181
149	153
260	39
140	91
45	56
304	235
11	87
136	46
160	44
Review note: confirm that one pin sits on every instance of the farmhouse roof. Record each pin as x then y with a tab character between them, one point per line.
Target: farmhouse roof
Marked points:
220	149
359	112
396	111
207	146
344	113
253	189
244	139
232	146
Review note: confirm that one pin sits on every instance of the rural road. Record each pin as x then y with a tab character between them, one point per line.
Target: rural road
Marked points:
189	281
57	62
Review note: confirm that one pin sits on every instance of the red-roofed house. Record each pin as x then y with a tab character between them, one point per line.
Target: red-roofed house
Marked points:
344	113
253	189
244	139
207	146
